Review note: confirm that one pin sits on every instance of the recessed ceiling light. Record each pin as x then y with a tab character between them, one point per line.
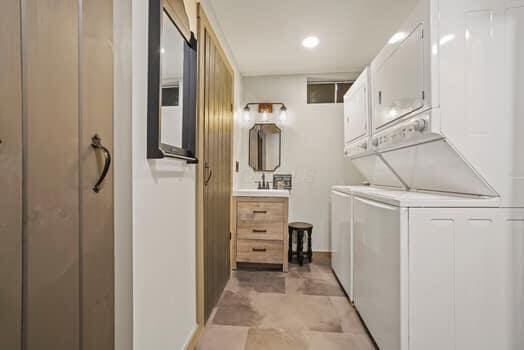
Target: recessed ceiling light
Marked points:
310	42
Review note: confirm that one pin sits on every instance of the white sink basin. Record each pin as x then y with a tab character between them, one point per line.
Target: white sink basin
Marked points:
260	193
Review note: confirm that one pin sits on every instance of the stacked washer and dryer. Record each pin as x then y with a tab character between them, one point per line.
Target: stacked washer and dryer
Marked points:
432	252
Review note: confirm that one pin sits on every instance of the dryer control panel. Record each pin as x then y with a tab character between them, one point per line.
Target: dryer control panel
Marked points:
412	131
356	148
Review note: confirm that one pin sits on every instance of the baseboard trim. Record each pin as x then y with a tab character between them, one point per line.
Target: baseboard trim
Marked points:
193	340
324	253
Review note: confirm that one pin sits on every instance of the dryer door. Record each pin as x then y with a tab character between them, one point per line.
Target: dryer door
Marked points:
356	109
398	81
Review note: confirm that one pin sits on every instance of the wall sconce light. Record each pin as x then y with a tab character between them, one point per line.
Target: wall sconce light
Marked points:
247	115
283	114
265	109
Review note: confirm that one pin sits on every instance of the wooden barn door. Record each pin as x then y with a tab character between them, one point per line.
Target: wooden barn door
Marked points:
216	101
10	176
56	232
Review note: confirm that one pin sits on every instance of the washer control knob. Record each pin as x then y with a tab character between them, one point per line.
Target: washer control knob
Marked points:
419	125
375	142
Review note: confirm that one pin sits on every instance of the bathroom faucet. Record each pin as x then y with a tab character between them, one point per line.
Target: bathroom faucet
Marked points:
263	184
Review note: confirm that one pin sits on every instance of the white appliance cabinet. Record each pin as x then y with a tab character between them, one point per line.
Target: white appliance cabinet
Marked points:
438	272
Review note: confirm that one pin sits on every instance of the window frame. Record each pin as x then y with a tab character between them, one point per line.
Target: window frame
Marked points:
328	82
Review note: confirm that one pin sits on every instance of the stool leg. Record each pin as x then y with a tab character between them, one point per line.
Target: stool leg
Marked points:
310	245
300	247
290	246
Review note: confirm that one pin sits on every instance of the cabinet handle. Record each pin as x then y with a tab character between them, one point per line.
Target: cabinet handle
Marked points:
96	143
380	97
259	211
259	231
259	249
210	173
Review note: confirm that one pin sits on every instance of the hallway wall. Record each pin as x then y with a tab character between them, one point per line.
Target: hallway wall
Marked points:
123	175
312	149
164	214
164	287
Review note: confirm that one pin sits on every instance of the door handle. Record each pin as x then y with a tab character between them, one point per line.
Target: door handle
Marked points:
210	173
96	143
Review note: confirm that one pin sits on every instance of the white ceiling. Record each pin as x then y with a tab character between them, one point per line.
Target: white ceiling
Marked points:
265	36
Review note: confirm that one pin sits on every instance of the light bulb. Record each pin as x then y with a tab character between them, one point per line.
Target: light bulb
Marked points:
283	114
247	115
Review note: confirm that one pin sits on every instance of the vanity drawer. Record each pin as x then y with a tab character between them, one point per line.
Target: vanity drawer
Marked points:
260	251
253	230
260	212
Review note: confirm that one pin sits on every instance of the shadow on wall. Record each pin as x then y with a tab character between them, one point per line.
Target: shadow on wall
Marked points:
170	169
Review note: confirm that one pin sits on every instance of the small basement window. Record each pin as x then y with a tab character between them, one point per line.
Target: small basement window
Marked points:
170	96
327	91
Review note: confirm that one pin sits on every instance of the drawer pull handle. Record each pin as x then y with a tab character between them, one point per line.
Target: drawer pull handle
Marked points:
259	249
259	231
259	211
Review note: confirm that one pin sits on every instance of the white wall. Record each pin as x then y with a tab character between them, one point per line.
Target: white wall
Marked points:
312	150
164	288
123	179
164	194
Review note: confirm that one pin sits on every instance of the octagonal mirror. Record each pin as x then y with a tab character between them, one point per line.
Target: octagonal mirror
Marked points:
264	147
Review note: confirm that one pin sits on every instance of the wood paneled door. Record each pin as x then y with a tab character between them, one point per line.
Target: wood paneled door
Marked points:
56	232
215	173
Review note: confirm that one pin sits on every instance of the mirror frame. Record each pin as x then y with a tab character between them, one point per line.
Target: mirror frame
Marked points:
155	148
279	148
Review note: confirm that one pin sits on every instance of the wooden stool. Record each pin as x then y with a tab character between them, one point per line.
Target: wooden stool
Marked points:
300	228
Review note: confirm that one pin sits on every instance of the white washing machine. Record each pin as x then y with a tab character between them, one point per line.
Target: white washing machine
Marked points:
342	234
438	272
442	271
342	237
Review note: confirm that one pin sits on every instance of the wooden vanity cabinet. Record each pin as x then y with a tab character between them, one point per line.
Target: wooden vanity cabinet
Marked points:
259	233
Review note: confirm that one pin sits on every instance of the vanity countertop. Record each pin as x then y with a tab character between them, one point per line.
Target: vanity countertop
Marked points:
260	193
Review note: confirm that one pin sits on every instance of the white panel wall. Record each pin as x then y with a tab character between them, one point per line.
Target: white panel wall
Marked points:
164	288
312	149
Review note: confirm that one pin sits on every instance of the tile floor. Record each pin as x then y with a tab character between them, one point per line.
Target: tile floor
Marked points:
270	310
